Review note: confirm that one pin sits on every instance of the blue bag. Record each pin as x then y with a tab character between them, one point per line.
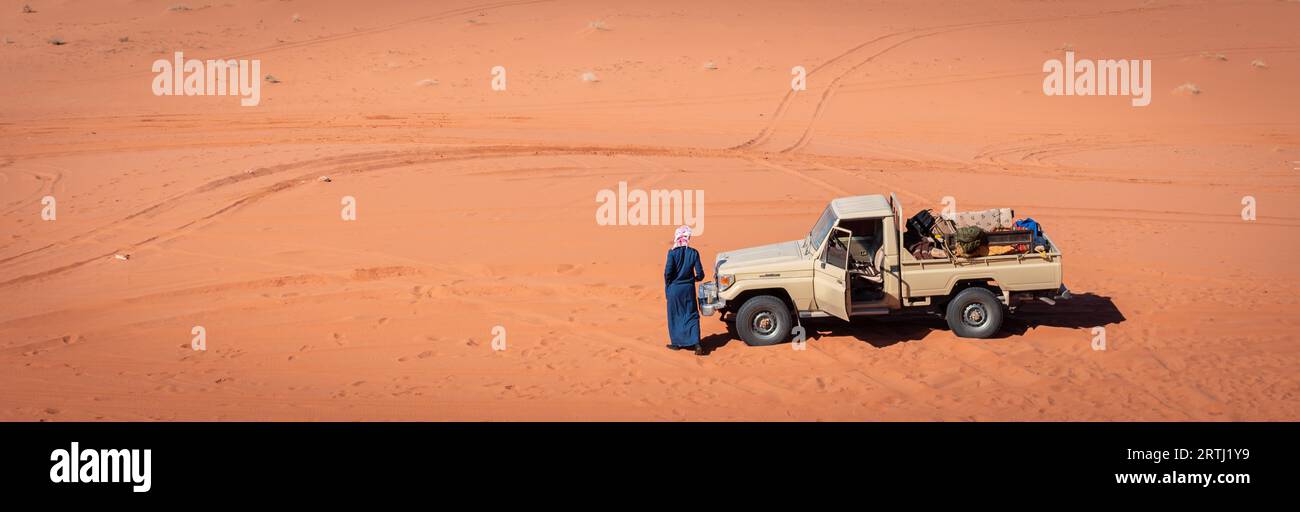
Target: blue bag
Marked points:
1035	229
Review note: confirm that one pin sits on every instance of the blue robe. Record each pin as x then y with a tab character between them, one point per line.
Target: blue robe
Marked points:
681	272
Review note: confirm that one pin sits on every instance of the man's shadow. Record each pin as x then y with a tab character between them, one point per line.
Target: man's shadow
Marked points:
1082	311
716	341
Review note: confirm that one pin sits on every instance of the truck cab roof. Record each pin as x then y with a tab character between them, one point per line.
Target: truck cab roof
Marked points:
861	207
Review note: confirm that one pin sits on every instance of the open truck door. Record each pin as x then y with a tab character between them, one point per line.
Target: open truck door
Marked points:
830	275
897	208
893	271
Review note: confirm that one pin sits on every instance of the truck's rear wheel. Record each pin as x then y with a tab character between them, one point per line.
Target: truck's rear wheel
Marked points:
975	313
763	320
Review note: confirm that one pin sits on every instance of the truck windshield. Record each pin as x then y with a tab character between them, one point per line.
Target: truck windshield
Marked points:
821	228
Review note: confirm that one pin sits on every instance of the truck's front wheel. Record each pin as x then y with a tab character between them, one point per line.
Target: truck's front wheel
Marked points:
974	313
763	320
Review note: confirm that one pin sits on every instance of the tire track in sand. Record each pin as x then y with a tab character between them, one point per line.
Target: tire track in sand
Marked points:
766	133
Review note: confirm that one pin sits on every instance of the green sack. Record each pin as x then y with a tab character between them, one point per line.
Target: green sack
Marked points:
969	238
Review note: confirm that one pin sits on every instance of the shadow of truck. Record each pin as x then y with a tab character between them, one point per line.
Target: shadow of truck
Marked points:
1082	311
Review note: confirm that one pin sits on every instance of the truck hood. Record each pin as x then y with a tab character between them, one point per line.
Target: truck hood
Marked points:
778	256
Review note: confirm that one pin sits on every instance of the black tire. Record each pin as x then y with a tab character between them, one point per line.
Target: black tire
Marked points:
975	313
763	320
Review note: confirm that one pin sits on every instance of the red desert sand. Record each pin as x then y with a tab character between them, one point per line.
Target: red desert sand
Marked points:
475	207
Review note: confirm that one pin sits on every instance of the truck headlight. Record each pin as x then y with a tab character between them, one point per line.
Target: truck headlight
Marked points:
725	281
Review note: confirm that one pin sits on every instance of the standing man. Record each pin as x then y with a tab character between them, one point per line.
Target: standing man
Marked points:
681	272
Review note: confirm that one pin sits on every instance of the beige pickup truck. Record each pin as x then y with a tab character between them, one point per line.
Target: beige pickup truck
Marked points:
852	263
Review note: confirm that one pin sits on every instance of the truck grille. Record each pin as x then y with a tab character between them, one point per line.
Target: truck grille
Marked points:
708	292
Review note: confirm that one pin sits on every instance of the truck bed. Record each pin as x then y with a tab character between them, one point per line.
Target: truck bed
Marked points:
1012	272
